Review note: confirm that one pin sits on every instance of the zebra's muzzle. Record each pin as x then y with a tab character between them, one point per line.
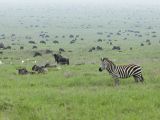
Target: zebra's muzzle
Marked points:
100	70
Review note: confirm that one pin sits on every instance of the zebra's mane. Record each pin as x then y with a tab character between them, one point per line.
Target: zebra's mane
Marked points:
109	61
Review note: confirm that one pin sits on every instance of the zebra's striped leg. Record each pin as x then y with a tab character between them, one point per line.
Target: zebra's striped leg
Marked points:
141	79
116	80
136	78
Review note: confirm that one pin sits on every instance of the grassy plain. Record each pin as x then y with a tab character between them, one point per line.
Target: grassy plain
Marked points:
79	92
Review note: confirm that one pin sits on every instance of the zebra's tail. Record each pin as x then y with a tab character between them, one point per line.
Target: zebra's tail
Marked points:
142	79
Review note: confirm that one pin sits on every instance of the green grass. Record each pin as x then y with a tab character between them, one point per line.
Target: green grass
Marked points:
79	92
81	103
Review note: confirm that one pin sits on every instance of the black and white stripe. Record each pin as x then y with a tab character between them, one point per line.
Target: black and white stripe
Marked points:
124	71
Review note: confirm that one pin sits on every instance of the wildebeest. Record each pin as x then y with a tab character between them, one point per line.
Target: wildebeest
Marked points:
31	42
71	36
34	47
99	40
42	41
23	71
21	47
142	44
116	48
2	45
55	41
37	54
47	36
91	49
154	36
39	69
48	51
148	40
61	60
99	48
95	48
72	41
61	50
69	50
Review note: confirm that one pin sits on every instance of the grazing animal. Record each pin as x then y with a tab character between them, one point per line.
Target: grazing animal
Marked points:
61	60
124	71
21	47
61	50
37	54
39	69
22	71
2	45
34	47
99	48
48	51
57	56
56	42
116	48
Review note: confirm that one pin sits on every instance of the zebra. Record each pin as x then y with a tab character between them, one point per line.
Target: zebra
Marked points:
124	71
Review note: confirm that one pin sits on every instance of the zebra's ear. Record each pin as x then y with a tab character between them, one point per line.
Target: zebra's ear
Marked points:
101	58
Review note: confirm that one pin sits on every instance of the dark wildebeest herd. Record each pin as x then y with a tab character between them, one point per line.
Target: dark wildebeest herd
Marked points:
59	59
35	69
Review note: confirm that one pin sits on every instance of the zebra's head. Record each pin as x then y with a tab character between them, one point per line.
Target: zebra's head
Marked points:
103	65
